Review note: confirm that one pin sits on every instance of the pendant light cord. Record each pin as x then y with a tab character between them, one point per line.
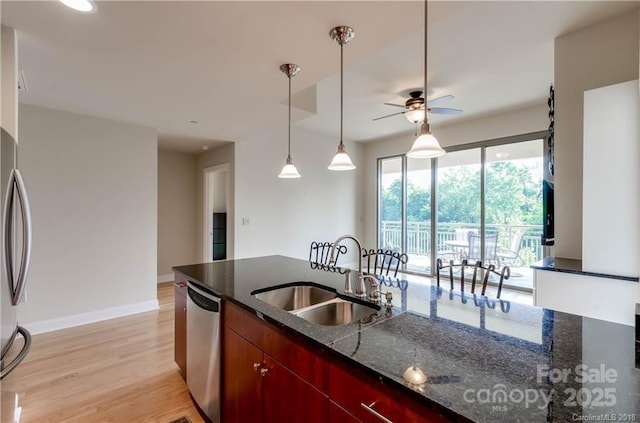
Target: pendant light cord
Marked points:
341	89
289	146
426	44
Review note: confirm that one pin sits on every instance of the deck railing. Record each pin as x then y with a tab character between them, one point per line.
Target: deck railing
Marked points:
419	237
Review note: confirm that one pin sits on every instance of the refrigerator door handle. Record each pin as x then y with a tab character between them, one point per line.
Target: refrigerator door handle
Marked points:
25	261
16	186
23	353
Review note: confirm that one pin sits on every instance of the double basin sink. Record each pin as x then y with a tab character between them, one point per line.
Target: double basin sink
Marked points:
317	304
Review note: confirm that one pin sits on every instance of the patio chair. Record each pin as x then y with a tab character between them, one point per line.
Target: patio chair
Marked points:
512	255
490	248
384	262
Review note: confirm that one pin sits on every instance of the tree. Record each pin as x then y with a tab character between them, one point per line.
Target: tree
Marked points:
418	203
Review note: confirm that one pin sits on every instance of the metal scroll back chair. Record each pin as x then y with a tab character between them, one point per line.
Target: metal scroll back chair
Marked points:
480	277
319	254
512	255
475	247
384	262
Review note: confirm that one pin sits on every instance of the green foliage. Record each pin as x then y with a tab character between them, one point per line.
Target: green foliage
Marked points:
513	197
418	203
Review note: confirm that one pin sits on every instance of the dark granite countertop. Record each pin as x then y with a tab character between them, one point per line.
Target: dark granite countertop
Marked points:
486	361
565	265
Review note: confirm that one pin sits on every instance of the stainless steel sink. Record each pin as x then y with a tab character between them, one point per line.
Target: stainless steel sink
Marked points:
296	297
337	313
318	305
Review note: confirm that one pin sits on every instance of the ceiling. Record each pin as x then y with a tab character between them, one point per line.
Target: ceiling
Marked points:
166	63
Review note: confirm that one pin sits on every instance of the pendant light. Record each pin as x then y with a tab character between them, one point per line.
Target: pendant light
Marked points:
341	161
426	145
289	170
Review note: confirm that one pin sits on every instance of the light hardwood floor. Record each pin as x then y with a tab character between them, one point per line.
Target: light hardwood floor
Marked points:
120	370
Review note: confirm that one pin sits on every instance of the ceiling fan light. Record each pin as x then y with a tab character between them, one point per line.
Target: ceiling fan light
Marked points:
426	146
415	115
289	170
341	161
79	5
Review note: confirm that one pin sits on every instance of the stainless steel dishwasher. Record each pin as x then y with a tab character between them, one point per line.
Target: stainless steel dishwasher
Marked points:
203	350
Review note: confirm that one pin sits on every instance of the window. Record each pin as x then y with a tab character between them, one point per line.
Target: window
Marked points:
487	206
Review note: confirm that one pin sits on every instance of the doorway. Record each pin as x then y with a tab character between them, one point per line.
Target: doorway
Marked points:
217	211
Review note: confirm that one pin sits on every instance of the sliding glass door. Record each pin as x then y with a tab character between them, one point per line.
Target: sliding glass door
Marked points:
513	206
459	204
488	206
418	202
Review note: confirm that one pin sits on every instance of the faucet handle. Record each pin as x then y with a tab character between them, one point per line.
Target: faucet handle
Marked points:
388	296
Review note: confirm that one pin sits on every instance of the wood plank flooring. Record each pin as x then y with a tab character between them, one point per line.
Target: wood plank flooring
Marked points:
120	370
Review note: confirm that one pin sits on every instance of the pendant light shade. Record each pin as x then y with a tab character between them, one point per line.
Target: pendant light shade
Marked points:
289	170
426	145
341	161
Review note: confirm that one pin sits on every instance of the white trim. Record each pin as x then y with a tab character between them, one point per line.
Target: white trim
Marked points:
90	317
169	277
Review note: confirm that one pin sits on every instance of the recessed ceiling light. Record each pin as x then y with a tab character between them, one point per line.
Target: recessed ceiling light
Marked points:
205	147
80	5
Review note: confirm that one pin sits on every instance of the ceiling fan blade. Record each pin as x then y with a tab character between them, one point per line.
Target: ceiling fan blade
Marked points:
392	114
440	100
444	111
396	105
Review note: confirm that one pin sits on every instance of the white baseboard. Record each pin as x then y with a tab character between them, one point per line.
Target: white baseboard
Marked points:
165	278
90	317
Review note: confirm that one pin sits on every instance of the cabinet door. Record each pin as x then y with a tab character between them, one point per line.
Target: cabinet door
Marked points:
288	398
180	325
338	414
242	380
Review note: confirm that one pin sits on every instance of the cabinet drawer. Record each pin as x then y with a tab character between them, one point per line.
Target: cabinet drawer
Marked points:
296	355
371	401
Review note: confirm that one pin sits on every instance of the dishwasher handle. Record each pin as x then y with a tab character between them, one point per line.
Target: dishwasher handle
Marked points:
203	300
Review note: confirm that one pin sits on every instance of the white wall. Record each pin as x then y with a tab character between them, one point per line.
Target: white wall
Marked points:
600	55
92	186
518	122
286	215
177	213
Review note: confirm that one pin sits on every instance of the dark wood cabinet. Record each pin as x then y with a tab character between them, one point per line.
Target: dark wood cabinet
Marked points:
242	386
180	323
369	400
288	398
268	377
338	414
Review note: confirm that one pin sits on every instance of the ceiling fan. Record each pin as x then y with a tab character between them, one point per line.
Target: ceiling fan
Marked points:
414	107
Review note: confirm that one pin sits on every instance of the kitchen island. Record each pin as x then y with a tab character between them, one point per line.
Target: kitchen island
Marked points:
485	360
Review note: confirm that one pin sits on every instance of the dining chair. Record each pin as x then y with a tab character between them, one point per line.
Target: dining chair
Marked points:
386	262
479	278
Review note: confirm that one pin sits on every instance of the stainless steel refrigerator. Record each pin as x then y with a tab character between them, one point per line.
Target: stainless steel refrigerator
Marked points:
15	235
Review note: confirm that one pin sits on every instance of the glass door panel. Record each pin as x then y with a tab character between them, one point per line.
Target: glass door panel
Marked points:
459	204
513	206
418	214
391	200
